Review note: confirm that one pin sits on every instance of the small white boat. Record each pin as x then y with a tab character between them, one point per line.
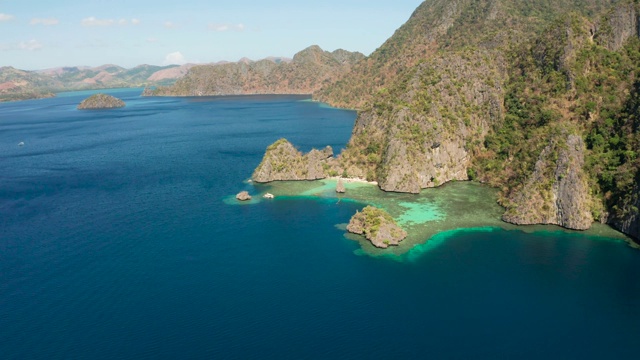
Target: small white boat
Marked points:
21	143
268	196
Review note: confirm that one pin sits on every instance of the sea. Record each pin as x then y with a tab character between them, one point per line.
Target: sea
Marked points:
117	241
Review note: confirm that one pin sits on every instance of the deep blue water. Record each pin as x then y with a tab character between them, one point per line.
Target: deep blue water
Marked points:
115	242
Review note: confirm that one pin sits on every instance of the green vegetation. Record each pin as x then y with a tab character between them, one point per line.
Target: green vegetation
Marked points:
101	101
373	218
564	83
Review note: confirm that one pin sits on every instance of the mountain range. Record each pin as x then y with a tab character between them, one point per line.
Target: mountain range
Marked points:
308	71
18	84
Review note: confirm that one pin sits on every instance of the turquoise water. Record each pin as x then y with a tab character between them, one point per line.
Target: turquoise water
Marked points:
118	239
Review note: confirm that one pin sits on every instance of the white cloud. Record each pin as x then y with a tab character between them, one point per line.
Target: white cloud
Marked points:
6	17
226	27
169	25
92	21
30	45
175	58
45	22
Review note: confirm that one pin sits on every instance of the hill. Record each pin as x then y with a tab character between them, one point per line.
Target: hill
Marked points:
309	70
20	84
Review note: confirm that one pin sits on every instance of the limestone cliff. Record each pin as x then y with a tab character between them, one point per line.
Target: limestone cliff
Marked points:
310	69
557	192
377	226
618	25
282	161
439	26
101	101
422	136
629	220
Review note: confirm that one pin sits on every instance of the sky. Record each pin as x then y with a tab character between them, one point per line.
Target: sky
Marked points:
41	34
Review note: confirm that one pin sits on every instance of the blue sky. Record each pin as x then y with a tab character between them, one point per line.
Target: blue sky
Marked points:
39	34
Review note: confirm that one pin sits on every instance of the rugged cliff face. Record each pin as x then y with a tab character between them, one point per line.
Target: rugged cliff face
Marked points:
310	69
579	77
282	161
557	192
438	26
629	221
422	136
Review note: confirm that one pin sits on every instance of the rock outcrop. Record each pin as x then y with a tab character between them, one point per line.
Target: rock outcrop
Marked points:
243	196
377	226
422	136
557	192
340	189
618	25
101	101
629	222
282	161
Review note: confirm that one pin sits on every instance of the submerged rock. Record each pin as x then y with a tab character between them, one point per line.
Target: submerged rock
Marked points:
243	196
377	226
101	101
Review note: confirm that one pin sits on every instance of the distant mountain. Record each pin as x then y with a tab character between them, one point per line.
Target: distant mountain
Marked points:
20	84
170	74
308	71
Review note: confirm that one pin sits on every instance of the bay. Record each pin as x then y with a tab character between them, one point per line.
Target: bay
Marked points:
116	241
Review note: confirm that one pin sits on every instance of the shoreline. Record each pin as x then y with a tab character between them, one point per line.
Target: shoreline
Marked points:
454	206
351	180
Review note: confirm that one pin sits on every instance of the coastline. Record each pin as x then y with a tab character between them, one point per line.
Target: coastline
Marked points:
353	180
455	206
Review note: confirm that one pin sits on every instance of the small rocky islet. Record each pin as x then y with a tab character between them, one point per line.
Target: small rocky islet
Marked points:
243	196
377	226
101	101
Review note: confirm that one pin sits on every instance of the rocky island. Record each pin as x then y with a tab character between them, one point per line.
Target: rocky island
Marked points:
282	161
101	101
243	196
377	226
